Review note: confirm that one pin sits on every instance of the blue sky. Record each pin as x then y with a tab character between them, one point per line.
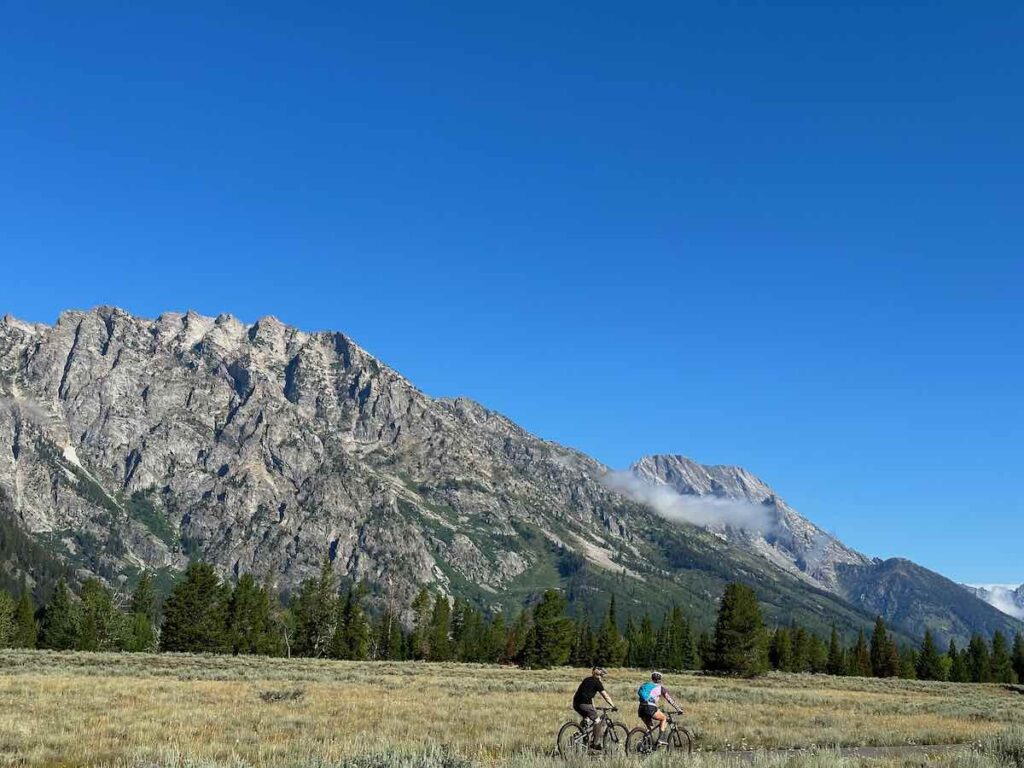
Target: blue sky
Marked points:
783	236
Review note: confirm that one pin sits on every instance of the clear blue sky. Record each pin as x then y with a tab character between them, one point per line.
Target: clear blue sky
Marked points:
789	237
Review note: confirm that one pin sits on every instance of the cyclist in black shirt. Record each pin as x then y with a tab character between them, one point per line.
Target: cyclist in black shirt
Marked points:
583	702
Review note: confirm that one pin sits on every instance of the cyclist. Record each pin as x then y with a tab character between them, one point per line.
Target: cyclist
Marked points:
649	694
583	703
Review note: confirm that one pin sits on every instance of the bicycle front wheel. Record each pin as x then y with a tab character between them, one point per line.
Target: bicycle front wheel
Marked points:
570	741
615	737
639	743
680	741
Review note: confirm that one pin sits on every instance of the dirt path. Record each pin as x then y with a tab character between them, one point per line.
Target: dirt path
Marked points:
903	751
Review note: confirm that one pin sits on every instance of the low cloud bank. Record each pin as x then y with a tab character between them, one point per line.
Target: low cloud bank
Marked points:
1003	598
705	511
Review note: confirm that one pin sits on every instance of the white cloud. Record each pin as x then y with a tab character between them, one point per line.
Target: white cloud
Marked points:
705	511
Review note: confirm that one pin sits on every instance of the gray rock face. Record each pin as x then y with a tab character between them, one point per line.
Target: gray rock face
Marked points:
129	443
790	541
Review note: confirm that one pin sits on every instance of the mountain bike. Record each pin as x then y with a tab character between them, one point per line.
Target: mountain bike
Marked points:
575	738
644	741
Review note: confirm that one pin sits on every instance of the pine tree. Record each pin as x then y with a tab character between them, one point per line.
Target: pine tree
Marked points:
250	619
929	662
551	634
439	638
355	626
101	625
314	610
647	644
583	648
880	655
419	640
801	650
7	624
705	651
836	664
740	638
497	639
140	634
60	624
860	658
818	655
979	662
780	650
1018	656
959	670
629	635
611	648
388	632
907	663
1001	663
196	613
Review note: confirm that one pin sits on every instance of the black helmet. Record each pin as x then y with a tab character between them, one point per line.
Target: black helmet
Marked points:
656	677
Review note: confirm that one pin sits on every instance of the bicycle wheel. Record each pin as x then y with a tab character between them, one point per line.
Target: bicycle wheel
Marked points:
570	741
639	743
680	741
615	738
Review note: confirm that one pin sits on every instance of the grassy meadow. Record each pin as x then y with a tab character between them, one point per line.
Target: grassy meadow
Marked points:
75	709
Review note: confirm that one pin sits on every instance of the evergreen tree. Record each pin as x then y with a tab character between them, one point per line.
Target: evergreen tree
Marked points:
388	644
518	636
979	662
647	644
740	638
880	650
836	664
7	624
680	650
584	648
907	663
818	654
250	619
352	630
551	633
60	624
1018	656
101	625
497	638
705	651
1001	663
440	629
929	662
140	633
196	613
144	598
801	649
780	650
314	610
419	640
629	635
860	658
611	648
959	668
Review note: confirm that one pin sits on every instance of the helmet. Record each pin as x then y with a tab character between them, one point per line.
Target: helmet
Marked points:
656	677
600	671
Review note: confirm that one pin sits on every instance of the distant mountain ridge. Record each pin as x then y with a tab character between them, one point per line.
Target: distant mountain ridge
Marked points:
130	443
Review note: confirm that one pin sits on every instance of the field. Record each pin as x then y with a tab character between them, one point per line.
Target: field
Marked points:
76	709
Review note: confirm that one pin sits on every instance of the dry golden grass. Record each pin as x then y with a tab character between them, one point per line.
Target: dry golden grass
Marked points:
87	709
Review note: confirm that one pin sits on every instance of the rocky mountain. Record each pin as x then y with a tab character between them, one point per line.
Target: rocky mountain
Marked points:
1008	599
905	594
128	443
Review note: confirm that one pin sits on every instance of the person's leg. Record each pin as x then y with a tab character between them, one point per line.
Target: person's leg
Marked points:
662	721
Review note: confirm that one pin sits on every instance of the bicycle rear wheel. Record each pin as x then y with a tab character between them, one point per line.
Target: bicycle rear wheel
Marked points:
615	738
639	743
570	741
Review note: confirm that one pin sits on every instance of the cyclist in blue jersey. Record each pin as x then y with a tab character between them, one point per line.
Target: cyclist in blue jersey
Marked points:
650	694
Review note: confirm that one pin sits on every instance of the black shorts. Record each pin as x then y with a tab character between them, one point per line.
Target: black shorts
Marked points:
646	713
585	710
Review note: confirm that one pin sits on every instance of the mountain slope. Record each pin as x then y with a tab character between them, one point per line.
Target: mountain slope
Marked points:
1008	599
908	596
128	443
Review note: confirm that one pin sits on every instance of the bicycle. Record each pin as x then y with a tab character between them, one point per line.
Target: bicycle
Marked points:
644	741
574	739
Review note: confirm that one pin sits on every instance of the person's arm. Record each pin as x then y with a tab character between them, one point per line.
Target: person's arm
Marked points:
670	700
604	695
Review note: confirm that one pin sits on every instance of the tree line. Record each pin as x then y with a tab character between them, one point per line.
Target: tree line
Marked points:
325	618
